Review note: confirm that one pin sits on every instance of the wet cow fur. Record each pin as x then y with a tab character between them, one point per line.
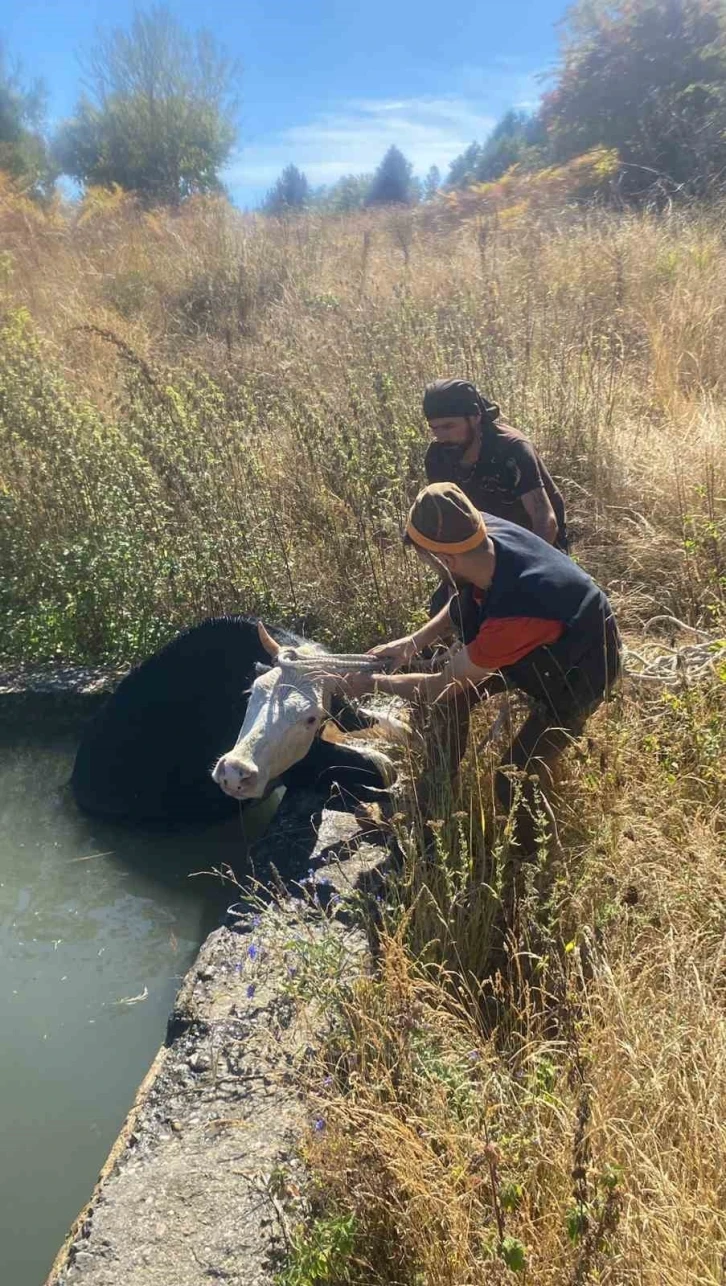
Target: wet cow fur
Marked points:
147	755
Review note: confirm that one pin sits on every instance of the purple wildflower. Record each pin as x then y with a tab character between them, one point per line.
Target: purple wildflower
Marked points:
251	990
253	951
319	1125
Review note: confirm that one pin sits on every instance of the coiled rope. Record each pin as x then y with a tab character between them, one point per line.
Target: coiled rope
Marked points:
669	666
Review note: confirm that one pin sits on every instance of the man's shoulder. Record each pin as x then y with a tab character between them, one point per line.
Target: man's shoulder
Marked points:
504	439
521	553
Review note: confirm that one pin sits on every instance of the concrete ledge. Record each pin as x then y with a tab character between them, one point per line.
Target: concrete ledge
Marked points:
65	692
77	680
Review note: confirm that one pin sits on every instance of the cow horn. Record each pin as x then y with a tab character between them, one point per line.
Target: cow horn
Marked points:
271	647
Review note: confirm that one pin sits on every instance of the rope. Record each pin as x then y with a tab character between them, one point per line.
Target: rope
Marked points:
353	662
670	666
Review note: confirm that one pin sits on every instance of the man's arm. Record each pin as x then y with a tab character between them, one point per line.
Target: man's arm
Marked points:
530	489
458	673
401	651
439	627
541	514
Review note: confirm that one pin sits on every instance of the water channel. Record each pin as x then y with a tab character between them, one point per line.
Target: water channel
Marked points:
98	925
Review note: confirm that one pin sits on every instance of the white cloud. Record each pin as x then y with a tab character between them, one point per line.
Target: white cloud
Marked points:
429	131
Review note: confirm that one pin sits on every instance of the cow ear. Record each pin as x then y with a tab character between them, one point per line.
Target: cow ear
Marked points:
261	669
271	647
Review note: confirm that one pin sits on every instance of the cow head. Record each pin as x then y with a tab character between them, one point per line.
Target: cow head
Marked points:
286	707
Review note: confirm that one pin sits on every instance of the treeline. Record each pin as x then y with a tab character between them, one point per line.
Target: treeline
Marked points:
645	78
393	183
159	117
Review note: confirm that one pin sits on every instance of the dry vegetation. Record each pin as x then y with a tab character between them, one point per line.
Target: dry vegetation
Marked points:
204	412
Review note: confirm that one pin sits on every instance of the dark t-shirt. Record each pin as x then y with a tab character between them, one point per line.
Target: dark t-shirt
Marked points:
507	468
540	617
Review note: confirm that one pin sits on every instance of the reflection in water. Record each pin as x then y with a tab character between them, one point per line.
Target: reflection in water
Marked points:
90	915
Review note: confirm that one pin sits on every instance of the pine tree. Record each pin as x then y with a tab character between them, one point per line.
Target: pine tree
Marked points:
392	181
291	192
463	168
431	183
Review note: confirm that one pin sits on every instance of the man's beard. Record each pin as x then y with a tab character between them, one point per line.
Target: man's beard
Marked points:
456	451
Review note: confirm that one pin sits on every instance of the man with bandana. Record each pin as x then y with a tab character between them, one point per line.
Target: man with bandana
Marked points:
495	465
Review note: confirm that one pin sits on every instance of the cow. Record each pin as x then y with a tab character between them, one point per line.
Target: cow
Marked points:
148	754
288	705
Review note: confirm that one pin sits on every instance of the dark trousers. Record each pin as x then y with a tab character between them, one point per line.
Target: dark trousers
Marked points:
568	698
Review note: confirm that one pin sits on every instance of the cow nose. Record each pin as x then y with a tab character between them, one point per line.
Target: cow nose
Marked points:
235	776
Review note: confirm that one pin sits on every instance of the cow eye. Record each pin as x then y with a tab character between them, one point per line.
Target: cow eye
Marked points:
311	719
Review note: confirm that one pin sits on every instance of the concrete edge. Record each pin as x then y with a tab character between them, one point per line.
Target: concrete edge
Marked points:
118	1148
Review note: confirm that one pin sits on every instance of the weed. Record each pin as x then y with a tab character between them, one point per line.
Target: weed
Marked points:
321	1253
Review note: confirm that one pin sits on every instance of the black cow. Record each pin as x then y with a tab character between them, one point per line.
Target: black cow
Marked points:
148	753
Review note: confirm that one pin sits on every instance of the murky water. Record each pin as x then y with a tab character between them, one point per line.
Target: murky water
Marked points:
97	927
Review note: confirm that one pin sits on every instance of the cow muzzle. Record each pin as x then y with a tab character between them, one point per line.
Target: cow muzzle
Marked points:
239	778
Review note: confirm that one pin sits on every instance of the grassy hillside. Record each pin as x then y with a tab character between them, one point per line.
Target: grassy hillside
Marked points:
202	412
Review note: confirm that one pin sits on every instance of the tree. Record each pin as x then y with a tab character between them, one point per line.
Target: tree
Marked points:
350	192
161	118
431	183
517	139
392	181
291	192
462	170
23	151
648	78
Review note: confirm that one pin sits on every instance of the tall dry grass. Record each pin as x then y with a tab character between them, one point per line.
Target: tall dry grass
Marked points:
201	412
228	407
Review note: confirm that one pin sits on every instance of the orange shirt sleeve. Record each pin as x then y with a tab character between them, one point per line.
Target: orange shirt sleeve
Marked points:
504	641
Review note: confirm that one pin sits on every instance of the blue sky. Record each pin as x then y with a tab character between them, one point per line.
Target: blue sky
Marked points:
329	84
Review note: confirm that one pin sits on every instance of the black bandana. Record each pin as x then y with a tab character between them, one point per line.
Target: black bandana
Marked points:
446	398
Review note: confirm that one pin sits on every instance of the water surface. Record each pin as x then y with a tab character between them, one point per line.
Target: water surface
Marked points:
98	924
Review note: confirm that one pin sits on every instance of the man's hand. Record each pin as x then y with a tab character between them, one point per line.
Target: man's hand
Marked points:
399	652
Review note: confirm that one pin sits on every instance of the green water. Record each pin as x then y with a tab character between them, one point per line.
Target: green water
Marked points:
91	916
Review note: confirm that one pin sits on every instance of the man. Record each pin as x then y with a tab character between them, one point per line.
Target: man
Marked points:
496	466
528	618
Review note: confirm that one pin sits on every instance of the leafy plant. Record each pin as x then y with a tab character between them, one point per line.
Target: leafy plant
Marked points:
321	1253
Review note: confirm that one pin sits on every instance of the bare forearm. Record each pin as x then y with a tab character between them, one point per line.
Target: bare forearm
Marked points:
439	627
426	687
541	514
547	528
